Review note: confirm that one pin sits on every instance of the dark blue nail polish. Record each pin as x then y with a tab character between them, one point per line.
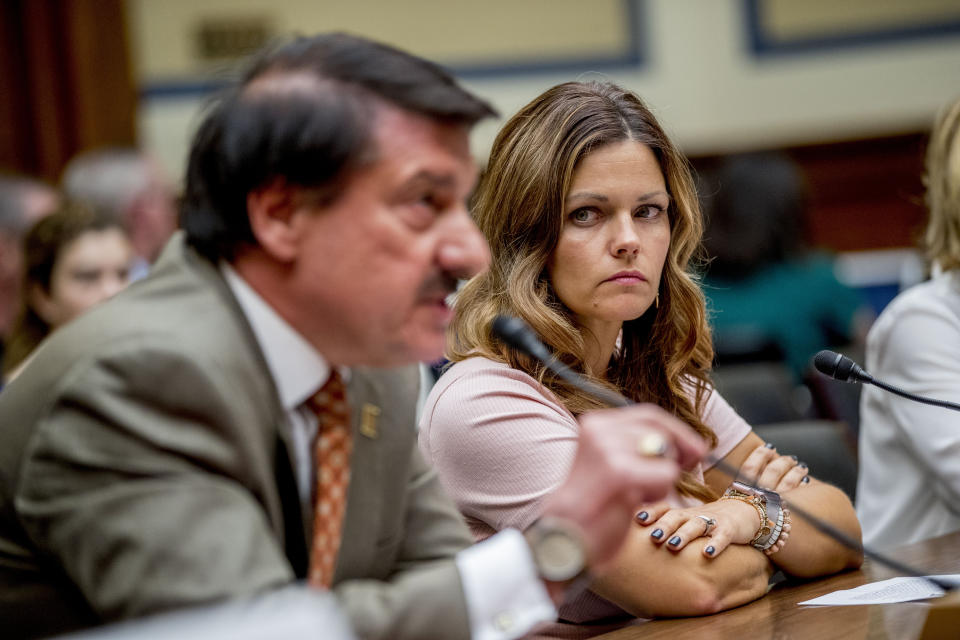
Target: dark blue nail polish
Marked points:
803	465
674	541
711	550
795	458
769	445
642	516
657	534
806	480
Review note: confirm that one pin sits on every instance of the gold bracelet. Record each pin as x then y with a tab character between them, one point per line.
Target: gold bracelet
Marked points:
764	530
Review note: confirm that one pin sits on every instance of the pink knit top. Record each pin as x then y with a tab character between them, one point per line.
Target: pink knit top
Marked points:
501	443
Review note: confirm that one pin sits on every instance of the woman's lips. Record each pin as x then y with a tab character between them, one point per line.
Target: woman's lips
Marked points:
627	277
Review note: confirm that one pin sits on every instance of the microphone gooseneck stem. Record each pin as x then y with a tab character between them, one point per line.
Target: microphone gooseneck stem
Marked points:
618	400
832	532
602	393
910	396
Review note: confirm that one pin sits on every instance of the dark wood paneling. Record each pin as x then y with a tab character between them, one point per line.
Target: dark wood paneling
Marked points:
66	82
863	194
866	194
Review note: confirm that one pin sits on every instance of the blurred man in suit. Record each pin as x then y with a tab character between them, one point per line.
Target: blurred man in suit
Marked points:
157	452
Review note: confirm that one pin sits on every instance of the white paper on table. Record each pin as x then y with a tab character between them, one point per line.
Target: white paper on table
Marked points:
886	592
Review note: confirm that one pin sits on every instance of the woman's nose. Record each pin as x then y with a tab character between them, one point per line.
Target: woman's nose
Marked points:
626	241
111	285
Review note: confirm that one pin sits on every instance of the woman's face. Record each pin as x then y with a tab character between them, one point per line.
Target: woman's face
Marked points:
616	234
89	269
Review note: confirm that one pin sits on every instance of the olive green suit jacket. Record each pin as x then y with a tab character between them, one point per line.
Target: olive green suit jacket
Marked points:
145	465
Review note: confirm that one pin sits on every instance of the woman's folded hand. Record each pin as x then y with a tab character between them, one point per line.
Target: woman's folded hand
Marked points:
767	469
721	522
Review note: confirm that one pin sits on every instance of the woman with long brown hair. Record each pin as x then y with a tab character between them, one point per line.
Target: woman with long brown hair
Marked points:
74	258
593	222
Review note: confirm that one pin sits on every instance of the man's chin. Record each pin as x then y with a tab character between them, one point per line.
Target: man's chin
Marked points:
427	346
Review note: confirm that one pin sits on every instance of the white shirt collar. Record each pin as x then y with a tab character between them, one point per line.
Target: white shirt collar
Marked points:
297	368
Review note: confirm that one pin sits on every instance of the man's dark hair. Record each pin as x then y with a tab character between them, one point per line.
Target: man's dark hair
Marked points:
303	112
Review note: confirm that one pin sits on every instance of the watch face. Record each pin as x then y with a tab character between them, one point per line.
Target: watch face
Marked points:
559	555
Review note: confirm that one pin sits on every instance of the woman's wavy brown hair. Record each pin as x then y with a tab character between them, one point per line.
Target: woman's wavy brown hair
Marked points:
666	353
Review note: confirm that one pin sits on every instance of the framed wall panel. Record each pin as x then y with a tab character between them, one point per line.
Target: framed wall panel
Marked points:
778	27
174	39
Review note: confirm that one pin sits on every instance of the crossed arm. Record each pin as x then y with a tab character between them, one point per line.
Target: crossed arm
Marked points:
502	447
656	578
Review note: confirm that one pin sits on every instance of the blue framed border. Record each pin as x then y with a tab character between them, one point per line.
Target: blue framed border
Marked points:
763	44
634	57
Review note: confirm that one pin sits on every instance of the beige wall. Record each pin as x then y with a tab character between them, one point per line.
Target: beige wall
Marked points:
699	75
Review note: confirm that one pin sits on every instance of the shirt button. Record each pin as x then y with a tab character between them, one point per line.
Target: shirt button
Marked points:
503	621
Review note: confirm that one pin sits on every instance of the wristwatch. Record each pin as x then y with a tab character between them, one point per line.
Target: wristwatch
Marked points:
558	549
770	530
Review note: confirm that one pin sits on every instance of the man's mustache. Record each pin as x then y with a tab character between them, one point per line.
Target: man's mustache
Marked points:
438	285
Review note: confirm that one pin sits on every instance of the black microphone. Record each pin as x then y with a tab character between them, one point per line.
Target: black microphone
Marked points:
840	367
516	333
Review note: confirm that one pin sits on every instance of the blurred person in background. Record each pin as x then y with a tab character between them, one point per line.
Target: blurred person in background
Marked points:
768	297
23	201
132	186
909	483
73	259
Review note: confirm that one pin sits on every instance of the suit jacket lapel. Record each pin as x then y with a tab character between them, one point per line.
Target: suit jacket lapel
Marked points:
295	528
362	522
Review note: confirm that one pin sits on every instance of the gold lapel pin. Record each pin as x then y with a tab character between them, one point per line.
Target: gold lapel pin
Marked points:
369	416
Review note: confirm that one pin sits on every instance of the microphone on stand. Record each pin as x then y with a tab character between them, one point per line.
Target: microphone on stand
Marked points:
840	367
516	333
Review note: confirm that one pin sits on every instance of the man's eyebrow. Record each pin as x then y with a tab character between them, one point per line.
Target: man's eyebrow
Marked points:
432	178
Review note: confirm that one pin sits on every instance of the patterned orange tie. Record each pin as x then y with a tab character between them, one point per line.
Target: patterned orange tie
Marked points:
332	460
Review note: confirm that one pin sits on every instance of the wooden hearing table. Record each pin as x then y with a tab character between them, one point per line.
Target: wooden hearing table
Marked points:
778	616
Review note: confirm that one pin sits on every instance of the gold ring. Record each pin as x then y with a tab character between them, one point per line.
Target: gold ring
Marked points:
652	445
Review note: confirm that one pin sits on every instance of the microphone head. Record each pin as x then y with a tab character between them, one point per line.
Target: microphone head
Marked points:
826	362
510	330
837	366
518	335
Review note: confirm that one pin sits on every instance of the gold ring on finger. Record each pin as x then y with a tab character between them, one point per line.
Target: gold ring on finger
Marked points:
652	445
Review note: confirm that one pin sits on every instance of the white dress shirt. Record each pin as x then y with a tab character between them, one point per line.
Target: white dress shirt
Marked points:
909	483
505	598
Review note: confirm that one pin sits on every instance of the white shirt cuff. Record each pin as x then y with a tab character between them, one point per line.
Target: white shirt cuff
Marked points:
505	596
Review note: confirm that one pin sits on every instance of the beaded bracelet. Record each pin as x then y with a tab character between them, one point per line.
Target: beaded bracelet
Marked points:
757	503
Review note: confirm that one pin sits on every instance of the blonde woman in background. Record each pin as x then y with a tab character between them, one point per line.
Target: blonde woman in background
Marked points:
909	483
592	220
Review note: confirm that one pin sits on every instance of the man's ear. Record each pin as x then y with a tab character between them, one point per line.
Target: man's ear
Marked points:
272	209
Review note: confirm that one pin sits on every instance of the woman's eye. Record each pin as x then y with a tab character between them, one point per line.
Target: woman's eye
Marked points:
649	211
583	215
86	276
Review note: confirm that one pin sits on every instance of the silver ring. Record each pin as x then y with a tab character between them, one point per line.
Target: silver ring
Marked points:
652	445
708	522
